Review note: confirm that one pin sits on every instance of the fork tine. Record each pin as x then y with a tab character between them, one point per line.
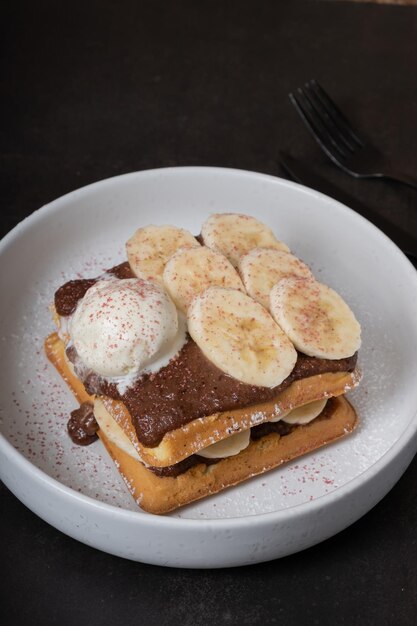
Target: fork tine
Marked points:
315	126
333	111
328	121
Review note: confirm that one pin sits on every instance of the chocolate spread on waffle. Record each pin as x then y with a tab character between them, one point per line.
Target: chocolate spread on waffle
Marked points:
182	466
189	387
67	296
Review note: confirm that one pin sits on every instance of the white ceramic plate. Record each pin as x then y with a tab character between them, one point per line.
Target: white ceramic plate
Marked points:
79	491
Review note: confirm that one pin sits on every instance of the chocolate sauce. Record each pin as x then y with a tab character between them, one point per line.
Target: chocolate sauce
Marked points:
68	295
121	271
182	466
82	425
190	387
280	428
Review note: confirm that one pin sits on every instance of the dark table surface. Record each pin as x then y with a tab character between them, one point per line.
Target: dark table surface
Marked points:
95	89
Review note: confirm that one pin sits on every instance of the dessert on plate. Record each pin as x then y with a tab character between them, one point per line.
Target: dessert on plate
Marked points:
203	361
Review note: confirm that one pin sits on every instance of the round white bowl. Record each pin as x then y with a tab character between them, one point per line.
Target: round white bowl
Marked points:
79	491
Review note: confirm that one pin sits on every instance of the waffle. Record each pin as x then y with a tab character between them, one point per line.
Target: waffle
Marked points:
161	494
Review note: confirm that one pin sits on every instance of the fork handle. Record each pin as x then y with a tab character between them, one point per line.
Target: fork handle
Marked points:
401	178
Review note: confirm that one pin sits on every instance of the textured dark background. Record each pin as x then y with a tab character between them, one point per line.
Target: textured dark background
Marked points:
94	89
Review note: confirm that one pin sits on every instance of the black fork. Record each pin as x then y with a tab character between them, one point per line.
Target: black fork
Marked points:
336	136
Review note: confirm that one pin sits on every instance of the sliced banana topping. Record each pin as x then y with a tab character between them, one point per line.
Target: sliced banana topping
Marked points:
240	337
227	447
234	234
302	414
315	318
262	268
191	271
149	249
112	430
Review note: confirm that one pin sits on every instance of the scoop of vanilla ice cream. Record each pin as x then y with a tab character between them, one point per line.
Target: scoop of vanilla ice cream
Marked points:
119	326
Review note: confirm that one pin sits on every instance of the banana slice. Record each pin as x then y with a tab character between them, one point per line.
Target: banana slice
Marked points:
191	271
227	447
316	319
112	430
240	337
302	414
305	414
149	249
262	268
233	235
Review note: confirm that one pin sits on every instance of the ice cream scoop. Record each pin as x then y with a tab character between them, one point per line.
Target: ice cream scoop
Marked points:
120	327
